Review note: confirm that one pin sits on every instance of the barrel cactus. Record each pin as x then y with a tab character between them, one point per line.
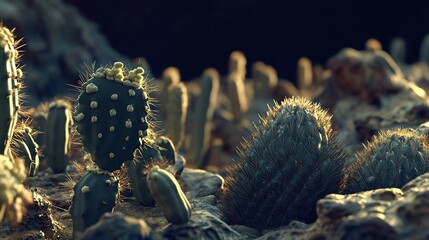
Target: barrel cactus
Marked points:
291	161
391	159
112	115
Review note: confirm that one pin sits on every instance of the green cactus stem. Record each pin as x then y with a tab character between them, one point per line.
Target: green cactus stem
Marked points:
58	139
170	77
177	109
237	96
169	196
391	159
10	75
112	115
28	149
95	193
201	132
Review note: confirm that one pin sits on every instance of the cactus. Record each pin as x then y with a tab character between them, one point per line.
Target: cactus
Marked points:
112	115
177	109
145	157
200	136
13	195
373	45
58	139
398	50
114	226
28	149
391	159
10	75
237	65
424	50
291	161
304	74
95	193
169	196
264	79
170	77
237	96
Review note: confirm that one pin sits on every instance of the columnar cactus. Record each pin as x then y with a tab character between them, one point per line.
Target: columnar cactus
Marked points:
13	195
291	161
237	64
28	149
112	115
391	159
58	139
237	95
10	75
424	50
176	112
200	136
95	193
264	79
398	50
373	45
304	74
166	149
169	196
170	77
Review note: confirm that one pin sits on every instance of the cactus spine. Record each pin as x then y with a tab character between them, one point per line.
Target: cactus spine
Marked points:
290	163
58	140
169	196
95	193
10	75
200	136
391	159
177	107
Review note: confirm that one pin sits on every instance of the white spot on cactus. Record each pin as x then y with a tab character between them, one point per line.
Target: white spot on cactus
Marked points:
100	135
111	155
131	92
130	108
108	182
128	124
140	133
98	75
127	138
142	119
93	104
79	117
112	129
112	112
94	119
123	148
118	65
85	189
91	88
114	97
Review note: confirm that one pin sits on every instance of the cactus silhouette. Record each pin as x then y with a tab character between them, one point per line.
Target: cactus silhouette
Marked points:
58	139
391	159
291	161
10	85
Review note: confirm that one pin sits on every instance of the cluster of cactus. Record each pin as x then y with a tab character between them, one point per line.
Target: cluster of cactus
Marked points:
291	161
391	159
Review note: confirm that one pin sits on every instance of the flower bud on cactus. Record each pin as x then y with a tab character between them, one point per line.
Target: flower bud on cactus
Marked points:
95	193
169	196
10	75
58	139
390	160
112	115
291	161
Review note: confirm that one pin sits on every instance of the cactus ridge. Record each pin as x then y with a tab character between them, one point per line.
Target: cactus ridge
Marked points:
112	115
391	159
292	159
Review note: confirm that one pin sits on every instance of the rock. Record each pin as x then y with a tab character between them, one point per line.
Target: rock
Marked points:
202	226
200	183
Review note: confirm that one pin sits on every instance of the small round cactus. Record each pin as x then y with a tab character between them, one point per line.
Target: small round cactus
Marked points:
291	161
112	115
13	195
391	159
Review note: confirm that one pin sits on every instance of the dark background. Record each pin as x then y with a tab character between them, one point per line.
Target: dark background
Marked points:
194	35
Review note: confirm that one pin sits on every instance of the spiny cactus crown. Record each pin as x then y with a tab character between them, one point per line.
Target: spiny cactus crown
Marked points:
112	114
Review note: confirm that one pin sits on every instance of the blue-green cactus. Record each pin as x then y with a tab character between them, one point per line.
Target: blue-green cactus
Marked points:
391	159
58	139
169	196
28	149
112	115
95	193
10	75
291	161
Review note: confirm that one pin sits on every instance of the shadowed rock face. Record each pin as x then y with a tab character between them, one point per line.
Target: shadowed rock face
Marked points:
366	74
58	41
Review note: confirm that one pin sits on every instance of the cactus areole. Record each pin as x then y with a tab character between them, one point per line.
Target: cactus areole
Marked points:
111	115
